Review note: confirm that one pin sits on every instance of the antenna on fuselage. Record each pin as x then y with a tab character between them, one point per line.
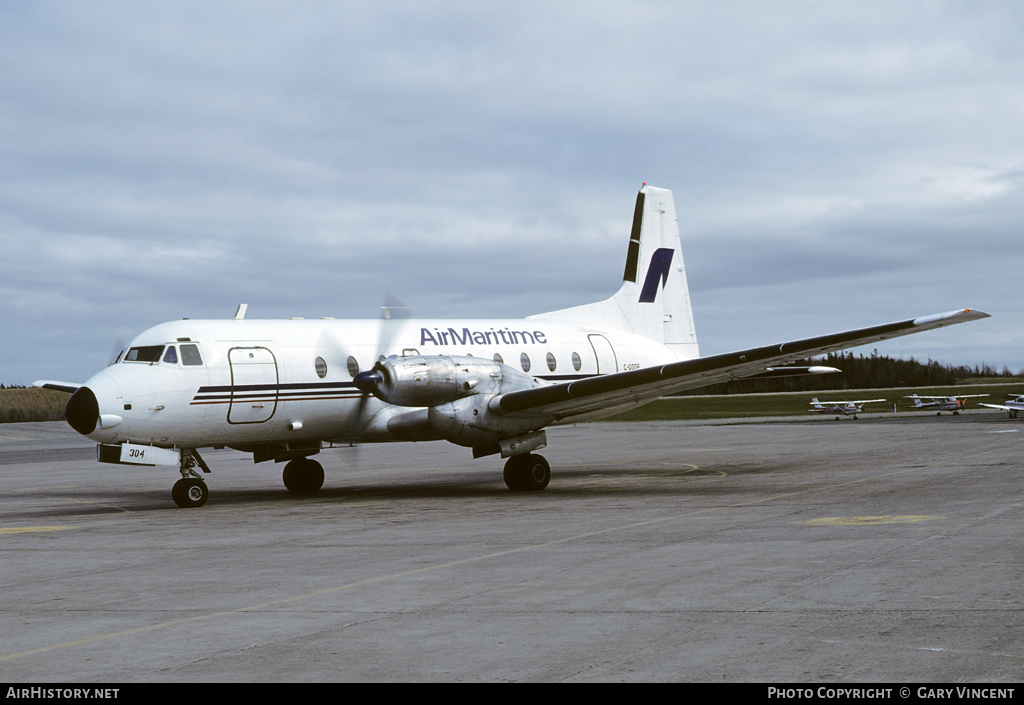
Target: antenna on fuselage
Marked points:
394	309
240	313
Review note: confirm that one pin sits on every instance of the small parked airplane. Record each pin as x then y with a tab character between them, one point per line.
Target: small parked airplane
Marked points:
1011	407
283	390
841	408
942	403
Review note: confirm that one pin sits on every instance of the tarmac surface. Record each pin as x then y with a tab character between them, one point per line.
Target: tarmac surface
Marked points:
886	549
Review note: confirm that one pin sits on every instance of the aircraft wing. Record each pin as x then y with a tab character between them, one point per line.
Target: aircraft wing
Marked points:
949	397
59	386
597	395
856	402
998	406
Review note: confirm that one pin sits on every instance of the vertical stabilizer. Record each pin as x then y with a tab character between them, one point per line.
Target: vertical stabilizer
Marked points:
654	299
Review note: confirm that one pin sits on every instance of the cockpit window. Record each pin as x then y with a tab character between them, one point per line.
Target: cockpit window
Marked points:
145	353
190	355
171	356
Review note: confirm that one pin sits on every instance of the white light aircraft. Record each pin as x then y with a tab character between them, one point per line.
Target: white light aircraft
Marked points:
1011	407
841	408
285	389
942	403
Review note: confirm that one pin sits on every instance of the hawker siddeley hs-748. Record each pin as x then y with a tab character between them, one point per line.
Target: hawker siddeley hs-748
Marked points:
284	390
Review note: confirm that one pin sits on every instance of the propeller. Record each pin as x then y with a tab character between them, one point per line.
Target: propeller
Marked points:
368	380
365	381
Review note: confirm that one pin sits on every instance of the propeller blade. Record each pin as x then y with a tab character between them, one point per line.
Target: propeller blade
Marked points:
336	356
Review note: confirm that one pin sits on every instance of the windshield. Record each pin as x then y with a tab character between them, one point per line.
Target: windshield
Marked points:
190	355
187	354
146	353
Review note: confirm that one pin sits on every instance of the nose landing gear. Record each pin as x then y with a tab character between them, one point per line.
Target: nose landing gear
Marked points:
190	491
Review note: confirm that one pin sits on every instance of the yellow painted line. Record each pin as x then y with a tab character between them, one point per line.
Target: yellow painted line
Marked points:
869	520
33	529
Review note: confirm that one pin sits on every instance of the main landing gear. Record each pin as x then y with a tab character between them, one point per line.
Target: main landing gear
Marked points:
527	473
303	475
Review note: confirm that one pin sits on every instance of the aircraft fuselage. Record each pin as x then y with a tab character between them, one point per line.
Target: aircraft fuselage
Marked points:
196	384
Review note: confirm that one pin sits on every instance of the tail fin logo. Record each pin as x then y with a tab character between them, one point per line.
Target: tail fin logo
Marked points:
656	272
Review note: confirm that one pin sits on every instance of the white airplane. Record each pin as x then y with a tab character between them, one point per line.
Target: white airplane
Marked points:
942	403
841	408
285	389
1011	407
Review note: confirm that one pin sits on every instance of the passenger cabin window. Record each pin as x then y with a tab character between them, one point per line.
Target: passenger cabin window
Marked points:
551	362
171	356
524	360
145	353
497	358
190	355
577	363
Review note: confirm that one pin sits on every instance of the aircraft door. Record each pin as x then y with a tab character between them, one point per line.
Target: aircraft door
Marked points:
254	385
605	354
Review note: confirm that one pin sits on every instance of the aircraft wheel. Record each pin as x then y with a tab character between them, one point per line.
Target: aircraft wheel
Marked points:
190	492
527	473
303	475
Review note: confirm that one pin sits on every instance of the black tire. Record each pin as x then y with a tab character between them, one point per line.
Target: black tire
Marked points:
303	475
190	492
527	473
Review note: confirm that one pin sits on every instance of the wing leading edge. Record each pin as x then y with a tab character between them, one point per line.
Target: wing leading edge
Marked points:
69	387
588	397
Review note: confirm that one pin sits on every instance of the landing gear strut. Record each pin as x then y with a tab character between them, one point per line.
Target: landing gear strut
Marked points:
527	473
303	475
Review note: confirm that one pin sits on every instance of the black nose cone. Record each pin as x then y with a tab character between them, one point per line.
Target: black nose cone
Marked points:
367	381
82	411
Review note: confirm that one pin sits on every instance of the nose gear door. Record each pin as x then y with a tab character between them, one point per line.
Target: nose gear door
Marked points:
254	385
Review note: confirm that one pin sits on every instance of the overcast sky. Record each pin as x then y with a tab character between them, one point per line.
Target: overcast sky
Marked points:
834	165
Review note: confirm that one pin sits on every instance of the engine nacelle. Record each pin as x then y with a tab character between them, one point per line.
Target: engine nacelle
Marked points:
457	392
470	422
430	380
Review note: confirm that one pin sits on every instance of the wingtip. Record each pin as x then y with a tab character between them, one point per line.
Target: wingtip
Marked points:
961	315
70	387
